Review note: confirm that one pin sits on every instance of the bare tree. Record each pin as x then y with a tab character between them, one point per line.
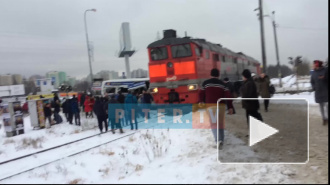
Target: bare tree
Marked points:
272	71
304	68
29	87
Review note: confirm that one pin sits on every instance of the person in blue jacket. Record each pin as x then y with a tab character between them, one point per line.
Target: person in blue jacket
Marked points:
75	110
131	104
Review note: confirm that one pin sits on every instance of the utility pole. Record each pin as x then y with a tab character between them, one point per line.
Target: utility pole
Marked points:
277	53
88	45
263	47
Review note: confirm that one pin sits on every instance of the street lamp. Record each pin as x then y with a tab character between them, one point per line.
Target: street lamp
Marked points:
88	48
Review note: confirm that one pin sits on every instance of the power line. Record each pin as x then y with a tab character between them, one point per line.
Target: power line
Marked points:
302	28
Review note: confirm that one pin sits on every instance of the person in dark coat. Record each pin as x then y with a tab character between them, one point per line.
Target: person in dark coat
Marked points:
249	90
121	97
65	108
48	114
98	109
75	110
319	81
112	118
147	97
263	82
231	88
211	91
57	108
147	100
69	110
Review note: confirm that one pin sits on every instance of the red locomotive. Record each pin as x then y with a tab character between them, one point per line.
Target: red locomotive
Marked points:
178	66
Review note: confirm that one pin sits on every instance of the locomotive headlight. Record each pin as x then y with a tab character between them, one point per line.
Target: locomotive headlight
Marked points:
192	87
154	90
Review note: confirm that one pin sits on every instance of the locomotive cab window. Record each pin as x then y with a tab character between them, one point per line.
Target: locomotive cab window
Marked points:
181	51
207	54
198	53
158	53
215	57
223	58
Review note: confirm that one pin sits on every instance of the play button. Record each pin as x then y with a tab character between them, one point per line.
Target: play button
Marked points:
259	131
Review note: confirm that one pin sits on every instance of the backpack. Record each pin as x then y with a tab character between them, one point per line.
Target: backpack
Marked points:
272	89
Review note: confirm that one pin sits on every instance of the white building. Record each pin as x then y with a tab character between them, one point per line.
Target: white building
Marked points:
45	85
107	75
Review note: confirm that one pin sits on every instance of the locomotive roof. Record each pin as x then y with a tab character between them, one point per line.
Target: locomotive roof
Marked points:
201	42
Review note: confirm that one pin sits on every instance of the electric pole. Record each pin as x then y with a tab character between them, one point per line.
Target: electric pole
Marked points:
263	47
277	53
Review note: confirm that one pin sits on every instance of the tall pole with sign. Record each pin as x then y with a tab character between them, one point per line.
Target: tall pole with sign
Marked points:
126	50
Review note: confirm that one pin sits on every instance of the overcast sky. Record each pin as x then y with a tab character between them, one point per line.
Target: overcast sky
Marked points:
37	36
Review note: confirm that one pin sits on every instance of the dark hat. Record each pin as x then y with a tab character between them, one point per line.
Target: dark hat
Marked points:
215	72
226	79
246	73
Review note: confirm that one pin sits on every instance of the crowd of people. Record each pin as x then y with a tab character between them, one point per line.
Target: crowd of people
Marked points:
96	105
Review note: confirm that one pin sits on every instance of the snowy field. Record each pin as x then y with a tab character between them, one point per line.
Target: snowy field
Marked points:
148	156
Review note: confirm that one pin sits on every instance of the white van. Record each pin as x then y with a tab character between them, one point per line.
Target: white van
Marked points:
124	85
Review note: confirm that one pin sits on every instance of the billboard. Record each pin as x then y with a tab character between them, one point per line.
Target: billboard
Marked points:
16	90
125	37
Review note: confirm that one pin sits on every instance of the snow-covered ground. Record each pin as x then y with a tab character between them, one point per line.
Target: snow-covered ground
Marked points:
148	156
309	96
154	156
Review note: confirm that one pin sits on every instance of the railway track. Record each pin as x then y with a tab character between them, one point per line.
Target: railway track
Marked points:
45	157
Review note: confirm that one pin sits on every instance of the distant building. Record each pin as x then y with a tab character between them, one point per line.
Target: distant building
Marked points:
6	80
62	77
139	73
71	81
57	77
17	79
35	77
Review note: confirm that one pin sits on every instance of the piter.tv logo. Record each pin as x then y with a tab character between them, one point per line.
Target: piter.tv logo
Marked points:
164	116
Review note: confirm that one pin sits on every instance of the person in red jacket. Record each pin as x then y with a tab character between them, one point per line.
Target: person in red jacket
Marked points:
211	91
91	104
87	106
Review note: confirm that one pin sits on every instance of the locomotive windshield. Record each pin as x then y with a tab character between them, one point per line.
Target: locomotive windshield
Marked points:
159	53
181	51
